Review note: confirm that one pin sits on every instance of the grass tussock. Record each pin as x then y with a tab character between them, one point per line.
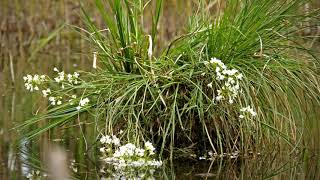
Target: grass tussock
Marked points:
170	96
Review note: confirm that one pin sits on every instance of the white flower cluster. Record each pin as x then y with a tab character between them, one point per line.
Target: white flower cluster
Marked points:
82	103
56	97
32	82
128	155
70	78
229	79
35	175
247	110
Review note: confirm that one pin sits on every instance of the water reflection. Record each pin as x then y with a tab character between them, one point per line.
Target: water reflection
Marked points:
25	168
268	165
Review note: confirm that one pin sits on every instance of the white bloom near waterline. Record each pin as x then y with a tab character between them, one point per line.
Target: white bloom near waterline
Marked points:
127	155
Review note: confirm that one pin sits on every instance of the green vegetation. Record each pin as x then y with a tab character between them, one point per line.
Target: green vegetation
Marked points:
169	96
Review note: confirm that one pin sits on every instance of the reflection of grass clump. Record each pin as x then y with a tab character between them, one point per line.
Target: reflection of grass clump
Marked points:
258	91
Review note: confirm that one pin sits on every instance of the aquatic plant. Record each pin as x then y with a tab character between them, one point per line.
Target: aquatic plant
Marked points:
234	82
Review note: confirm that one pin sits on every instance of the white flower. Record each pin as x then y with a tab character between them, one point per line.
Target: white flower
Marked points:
46	92
76	74
249	110
55	69
36	77
205	62
32	82
102	149
216	61
218	98
29	176
84	101
57	79
78	108
239	76
59	102
154	163
52	100
139	152
209	85
106	139
241	116
115	140
69	77
149	147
